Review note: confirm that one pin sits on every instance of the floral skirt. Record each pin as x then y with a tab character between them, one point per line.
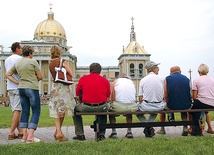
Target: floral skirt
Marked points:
62	101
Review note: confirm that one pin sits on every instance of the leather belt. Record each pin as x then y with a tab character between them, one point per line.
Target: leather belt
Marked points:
97	104
151	102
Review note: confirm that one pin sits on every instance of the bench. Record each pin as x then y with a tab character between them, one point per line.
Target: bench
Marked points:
97	126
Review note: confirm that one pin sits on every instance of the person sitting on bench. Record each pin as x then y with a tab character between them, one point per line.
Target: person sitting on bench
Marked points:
123	100
177	95
151	95
96	93
203	95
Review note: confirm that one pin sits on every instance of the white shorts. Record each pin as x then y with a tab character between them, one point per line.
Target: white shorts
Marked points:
121	107
144	106
14	100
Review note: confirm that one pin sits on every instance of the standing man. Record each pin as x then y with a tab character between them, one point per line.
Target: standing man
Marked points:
95	91
123	100
177	95
13	93
151	95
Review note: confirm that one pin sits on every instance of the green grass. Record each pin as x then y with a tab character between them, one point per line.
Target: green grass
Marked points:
46	120
148	146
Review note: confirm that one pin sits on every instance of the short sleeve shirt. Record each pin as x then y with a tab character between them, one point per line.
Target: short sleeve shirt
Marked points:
9	62
26	69
151	88
205	87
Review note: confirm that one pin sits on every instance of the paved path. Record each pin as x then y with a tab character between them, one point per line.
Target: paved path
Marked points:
46	134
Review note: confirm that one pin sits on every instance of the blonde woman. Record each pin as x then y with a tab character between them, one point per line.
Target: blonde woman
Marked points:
62	100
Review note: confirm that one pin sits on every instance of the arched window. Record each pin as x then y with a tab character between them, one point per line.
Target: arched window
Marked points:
132	70
140	70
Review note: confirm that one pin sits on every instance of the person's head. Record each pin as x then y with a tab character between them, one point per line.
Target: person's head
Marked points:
175	69
55	52
95	68
151	66
16	48
203	69
123	75
27	51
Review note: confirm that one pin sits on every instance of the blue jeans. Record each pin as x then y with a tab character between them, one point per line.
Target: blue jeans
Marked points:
29	98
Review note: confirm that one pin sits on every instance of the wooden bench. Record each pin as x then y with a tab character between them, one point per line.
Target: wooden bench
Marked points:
97	126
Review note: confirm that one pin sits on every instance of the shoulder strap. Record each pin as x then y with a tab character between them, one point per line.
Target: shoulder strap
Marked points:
60	64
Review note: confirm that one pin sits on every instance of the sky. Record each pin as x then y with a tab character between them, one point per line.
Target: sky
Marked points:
174	32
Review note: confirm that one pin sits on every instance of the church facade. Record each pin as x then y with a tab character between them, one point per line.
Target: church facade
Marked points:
50	32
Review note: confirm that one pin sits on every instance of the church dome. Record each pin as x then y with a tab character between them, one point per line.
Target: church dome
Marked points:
49	28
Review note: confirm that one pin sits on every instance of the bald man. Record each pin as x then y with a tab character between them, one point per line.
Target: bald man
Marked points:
177	95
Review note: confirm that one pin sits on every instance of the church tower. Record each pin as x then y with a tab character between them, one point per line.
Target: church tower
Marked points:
133	59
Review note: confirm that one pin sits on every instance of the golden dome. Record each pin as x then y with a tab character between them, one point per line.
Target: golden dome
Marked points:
134	48
50	28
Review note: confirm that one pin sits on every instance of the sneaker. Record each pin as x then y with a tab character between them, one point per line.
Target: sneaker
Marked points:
113	135
129	135
102	137
152	132
79	137
185	132
171	117
149	132
162	132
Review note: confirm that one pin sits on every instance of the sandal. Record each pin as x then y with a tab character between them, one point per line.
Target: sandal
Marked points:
210	131
34	140
61	139
12	137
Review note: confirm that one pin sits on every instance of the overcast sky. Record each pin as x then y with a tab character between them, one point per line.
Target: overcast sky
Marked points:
174	32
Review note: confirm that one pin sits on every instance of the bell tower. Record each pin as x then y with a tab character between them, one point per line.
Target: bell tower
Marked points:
133	59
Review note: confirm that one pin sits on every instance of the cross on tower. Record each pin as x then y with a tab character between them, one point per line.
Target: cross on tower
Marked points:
50	6
132	20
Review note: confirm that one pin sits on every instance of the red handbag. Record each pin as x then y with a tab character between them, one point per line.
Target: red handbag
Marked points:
62	75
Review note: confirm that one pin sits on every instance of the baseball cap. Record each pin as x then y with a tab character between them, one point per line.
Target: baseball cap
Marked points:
151	64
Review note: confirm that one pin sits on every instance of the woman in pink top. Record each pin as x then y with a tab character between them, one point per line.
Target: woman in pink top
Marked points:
202	93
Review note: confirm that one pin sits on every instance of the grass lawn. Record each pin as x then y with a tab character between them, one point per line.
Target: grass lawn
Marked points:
46	121
148	146
138	146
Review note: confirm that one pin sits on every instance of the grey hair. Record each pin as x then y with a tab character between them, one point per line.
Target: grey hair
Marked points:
203	69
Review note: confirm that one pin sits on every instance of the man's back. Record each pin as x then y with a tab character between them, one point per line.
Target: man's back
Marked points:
151	88
178	89
95	88
124	90
9	62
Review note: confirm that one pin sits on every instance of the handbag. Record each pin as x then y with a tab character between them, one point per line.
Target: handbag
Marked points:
62	75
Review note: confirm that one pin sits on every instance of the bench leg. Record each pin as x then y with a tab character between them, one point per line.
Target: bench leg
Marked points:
97	128
196	129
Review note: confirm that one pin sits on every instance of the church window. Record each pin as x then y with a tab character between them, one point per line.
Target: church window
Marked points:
132	70
140	70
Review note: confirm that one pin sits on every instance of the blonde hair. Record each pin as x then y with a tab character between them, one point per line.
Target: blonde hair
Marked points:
203	69
55	52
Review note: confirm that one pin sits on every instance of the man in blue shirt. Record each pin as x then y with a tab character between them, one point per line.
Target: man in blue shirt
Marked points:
177	95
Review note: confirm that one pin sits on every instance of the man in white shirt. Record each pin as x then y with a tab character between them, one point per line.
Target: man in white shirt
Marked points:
151	95
13	91
123	100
